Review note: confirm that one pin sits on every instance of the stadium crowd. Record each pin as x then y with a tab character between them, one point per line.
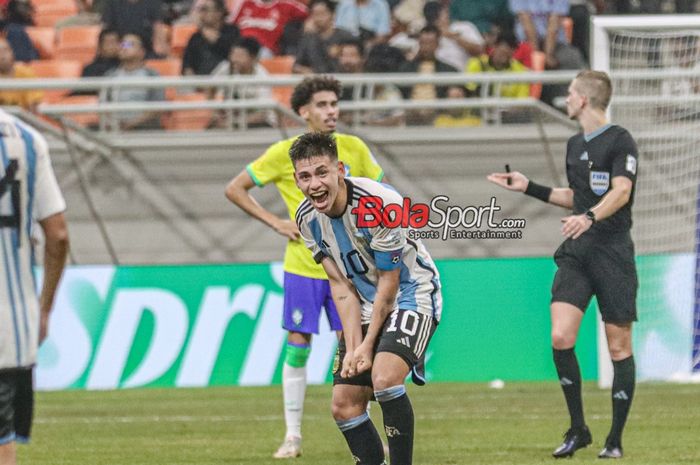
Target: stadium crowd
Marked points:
73	38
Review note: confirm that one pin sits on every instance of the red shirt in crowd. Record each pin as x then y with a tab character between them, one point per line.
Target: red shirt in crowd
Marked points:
265	20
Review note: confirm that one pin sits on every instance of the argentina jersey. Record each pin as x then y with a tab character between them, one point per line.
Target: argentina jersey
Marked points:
28	192
360	252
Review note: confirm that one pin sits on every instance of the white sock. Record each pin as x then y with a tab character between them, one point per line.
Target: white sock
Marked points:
294	389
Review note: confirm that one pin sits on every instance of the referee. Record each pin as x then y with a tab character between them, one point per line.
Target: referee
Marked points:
28	192
597	257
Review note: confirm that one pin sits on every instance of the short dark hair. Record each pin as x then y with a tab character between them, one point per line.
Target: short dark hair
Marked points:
313	144
329	4
251	45
507	37
431	11
352	42
305	90
430	29
105	32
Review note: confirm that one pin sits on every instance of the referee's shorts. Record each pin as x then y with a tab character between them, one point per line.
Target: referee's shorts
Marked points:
601	265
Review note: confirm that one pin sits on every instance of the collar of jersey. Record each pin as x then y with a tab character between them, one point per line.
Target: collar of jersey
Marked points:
592	135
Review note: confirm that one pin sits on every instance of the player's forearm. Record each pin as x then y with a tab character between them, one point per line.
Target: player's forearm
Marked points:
384	301
349	310
55	253
562	197
242	199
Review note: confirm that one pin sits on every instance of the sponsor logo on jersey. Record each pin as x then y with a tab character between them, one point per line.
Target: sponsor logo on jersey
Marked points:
599	182
584	156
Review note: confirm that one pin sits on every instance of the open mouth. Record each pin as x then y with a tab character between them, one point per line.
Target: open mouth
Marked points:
320	198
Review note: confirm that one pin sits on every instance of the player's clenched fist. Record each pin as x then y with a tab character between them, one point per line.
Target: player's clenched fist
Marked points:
363	357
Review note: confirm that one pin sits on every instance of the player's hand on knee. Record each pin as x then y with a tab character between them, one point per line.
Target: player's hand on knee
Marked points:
518	181
363	357
575	225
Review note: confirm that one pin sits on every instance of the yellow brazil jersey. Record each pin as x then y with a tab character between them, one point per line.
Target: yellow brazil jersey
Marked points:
275	166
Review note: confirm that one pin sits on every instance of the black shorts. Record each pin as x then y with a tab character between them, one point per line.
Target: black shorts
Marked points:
600	265
16	404
406	333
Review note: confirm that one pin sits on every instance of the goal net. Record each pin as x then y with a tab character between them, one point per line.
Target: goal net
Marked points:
654	62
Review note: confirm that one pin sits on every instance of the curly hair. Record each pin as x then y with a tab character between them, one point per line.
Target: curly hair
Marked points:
305	90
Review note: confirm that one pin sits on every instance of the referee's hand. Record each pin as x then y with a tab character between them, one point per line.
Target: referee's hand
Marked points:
518	181
575	225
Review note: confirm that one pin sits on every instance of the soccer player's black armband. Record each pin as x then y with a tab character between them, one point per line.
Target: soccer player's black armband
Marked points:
537	191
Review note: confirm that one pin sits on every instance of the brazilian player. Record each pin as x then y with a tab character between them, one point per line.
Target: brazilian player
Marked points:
306	289
597	257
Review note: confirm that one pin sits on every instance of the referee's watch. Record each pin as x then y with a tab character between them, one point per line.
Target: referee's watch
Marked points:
590	215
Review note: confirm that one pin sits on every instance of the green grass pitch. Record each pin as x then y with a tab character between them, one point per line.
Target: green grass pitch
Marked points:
455	424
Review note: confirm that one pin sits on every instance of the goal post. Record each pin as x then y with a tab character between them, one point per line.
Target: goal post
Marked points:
654	63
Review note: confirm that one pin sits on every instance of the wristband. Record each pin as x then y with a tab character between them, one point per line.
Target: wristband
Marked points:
537	191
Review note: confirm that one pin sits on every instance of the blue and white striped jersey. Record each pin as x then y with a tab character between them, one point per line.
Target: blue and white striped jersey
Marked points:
360	252
28	192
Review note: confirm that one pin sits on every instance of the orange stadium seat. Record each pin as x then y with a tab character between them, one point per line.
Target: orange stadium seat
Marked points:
44	40
84	119
538	62
181	34
77	43
166	67
280	65
188	120
56	69
48	12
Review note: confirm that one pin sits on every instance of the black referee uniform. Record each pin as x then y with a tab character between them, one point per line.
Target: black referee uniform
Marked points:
600	261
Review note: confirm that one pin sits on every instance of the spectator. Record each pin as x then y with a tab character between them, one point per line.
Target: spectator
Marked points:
500	60
370	20
211	43
580	12
539	24
139	17
265	21
483	14
426	62
383	58
20	12
318	48
132	52
27	99
459	40
351	61
456	117
17	37
84	17
107	57
243	61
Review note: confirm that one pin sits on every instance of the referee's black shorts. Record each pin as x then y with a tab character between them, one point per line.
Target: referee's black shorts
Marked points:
16	404
601	265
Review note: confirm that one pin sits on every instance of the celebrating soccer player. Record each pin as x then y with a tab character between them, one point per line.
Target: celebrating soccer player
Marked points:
387	292
597	257
306	289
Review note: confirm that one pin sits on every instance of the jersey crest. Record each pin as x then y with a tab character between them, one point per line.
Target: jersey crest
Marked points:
599	182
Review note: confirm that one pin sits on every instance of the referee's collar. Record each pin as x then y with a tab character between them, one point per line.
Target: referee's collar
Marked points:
592	135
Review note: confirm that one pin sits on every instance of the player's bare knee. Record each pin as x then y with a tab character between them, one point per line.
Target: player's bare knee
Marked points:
619	351
343	408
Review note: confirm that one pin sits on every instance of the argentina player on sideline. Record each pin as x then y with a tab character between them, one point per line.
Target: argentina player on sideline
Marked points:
387	292
28	192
